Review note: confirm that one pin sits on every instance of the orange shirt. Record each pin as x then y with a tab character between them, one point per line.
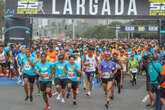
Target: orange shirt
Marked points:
51	56
163	73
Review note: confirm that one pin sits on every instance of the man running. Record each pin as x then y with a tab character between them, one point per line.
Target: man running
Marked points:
106	68
124	62
37	59
19	60
72	70
44	69
90	63
27	68
133	68
60	80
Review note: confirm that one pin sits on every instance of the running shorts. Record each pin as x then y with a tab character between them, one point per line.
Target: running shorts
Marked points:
31	79
74	84
105	81
61	82
45	84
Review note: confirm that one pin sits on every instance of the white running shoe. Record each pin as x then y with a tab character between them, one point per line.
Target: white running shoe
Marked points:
58	97
55	93
19	81
62	100
89	93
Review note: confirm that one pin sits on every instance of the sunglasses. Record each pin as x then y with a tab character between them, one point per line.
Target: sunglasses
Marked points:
107	55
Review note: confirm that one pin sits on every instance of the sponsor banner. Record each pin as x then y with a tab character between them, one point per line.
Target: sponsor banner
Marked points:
139	29
87	8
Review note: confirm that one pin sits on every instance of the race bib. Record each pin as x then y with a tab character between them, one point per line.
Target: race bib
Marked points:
90	66
27	67
11	66
45	75
134	70
107	75
71	75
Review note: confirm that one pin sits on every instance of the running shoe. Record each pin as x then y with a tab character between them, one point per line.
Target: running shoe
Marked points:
62	101
107	104
47	107
39	93
74	103
31	98
58	97
89	93
27	97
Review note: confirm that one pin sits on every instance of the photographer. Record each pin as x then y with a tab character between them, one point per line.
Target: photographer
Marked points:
154	69
148	85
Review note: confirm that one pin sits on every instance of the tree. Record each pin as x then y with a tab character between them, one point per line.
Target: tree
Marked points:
2	14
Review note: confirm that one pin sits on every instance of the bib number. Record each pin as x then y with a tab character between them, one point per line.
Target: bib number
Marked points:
45	75
11	66
107	75
134	70
27	67
71	75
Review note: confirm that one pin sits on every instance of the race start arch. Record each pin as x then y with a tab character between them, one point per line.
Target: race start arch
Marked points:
111	9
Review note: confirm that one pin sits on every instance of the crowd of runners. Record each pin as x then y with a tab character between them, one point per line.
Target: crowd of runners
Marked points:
66	65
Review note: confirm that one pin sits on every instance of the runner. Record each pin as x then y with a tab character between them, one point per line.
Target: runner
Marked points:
3	59
60	80
106	68
90	63
124	62
117	76
79	62
27	68
38	59
45	69
133	68
19	60
72	70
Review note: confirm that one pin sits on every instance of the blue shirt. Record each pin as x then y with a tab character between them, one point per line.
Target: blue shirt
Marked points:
59	69
6	49
44	70
107	66
34	54
27	67
153	73
71	72
20	57
71	51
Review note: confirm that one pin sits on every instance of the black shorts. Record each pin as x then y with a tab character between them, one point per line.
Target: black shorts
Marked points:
149	87
97	72
117	77
74	84
105	81
162	93
31	79
45	84
61	82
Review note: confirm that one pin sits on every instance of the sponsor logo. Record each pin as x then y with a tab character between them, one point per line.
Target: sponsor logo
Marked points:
157	7
29	6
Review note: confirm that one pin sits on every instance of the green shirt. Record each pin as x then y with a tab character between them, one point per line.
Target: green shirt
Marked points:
133	64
